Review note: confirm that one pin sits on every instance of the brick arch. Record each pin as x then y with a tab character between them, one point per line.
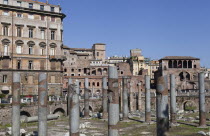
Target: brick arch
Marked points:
191	101
25	113
90	108
59	111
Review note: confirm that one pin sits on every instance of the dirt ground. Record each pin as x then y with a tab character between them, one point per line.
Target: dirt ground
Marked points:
98	127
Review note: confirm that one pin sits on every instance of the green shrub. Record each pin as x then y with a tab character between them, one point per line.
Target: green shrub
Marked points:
2	96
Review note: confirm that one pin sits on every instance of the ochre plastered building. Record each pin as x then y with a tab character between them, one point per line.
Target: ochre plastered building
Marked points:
30	43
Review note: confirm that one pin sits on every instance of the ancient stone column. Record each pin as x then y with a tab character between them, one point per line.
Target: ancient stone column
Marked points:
77	87
105	98
139	97
131	96
86	100
162	106
16	104
113	102
172	63
74	113
202	108
42	104
125	98
147	100
173	99
69	95
121	95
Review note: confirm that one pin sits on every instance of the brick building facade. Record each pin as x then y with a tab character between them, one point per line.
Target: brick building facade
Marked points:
185	68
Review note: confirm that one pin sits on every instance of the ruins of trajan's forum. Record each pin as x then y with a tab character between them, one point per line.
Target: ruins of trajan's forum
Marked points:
31	43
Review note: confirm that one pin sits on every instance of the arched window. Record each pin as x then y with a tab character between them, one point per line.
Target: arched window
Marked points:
5	43
181	76
42	48
100	71
52	48
93	84
19	44
187	76
52	51
105	70
94	72
30	47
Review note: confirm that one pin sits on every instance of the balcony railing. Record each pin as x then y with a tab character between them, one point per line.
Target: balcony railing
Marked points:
5	54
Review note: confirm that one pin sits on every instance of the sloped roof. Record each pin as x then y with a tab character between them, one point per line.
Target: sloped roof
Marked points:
179	57
81	49
65	47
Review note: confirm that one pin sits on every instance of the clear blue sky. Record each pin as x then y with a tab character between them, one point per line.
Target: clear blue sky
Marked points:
158	27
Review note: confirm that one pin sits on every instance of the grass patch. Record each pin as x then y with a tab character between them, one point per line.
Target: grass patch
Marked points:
5	126
186	130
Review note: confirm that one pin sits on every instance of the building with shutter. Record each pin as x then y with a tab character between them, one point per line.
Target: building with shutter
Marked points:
31	42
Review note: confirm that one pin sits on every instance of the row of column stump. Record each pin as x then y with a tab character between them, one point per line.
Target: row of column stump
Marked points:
110	103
